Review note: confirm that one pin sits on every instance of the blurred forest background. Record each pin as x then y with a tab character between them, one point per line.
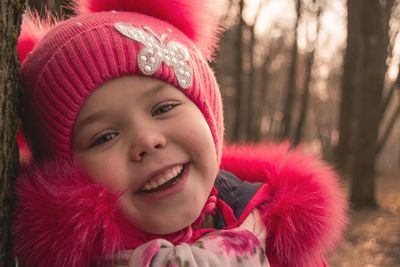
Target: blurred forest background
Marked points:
323	74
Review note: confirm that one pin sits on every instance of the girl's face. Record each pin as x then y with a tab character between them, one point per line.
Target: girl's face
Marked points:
146	139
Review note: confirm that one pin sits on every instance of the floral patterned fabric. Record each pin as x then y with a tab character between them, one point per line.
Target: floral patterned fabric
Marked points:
242	246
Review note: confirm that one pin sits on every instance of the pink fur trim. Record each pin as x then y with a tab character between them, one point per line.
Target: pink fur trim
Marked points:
25	153
64	219
61	218
32	31
199	20
307	214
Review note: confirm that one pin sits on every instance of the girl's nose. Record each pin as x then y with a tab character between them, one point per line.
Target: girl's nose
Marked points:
146	144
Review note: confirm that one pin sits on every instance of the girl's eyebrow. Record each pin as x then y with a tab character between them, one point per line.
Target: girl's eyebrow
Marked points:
90	119
154	90
100	114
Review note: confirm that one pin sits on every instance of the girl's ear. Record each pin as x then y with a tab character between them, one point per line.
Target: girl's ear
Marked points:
197	19
32	31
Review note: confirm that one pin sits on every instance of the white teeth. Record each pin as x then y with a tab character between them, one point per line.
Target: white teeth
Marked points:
153	184
147	187
161	179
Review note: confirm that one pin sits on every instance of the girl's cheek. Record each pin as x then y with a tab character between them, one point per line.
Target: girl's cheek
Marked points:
111	174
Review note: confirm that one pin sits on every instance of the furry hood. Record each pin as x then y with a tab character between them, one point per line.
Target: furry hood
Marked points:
306	215
64	219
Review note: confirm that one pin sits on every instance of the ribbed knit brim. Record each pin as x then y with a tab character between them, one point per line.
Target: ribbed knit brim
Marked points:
84	52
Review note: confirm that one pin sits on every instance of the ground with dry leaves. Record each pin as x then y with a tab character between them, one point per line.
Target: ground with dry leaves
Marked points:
373	237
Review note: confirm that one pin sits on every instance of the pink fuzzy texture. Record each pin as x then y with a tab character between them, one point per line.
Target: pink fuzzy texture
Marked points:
32	31
307	214
199	20
25	153
62	218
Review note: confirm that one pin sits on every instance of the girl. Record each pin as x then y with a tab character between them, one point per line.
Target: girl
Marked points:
124	119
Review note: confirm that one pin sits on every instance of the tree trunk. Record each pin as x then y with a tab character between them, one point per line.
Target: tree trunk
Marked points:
291	89
386	100
343	155
241	96
251	96
388	130
37	5
298	134
349	84
394	117
54	5
307	83
262	107
10	13
253	90
369	77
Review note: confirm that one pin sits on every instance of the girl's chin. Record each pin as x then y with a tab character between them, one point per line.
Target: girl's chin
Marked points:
165	230
172	227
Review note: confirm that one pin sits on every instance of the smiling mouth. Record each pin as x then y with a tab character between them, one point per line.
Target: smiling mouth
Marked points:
164	181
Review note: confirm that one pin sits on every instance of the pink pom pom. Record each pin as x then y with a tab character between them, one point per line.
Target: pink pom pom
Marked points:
199	20
32	31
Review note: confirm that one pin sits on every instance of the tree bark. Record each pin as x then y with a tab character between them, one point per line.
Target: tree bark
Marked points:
10	13
368	81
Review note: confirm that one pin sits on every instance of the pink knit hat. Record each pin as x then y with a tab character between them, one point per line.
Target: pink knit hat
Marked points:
64	62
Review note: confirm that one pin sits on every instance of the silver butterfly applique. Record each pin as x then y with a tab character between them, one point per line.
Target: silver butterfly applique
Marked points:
155	51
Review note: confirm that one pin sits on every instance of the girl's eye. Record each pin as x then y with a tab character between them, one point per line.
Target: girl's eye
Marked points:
105	138
163	109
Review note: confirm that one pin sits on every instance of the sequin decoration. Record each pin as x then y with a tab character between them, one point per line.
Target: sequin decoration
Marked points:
155	51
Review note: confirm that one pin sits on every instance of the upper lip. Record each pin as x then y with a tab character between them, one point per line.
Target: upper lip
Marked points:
157	172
